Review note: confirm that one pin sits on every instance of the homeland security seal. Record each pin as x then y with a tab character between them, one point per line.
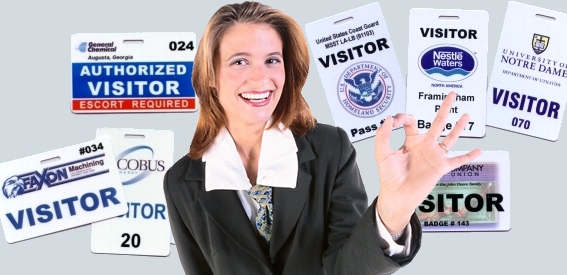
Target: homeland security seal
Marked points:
365	89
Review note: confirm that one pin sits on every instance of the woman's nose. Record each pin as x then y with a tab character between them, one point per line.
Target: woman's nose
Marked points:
258	73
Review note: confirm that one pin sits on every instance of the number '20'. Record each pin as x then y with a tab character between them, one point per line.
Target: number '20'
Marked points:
134	241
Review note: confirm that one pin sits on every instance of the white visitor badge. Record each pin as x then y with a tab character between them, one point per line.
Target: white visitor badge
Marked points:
358	68
142	158
447	52
60	189
528	86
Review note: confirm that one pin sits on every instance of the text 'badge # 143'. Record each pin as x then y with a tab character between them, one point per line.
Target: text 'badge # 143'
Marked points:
133	72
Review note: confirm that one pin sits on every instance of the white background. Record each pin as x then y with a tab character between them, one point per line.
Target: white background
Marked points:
35	116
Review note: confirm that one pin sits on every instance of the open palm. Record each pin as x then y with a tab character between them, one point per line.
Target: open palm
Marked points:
408	175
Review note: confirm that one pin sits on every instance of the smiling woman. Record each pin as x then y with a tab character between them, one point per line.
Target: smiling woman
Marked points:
250	74
286	60
267	190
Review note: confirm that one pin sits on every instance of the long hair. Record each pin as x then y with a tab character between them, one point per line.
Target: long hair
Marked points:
292	109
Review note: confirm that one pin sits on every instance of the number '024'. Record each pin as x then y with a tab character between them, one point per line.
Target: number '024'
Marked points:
181	46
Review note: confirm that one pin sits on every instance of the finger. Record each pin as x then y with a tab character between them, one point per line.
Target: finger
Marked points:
383	137
460	160
384	131
409	123
441	118
452	137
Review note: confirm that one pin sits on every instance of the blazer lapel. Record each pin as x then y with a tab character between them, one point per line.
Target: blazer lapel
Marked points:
289	202
225	209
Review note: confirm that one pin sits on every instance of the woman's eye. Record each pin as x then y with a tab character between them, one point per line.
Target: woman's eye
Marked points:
238	62
273	60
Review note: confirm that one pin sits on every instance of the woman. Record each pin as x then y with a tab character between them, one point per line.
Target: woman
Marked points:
256	135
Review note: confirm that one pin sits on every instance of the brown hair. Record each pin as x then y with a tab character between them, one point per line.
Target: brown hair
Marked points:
292	109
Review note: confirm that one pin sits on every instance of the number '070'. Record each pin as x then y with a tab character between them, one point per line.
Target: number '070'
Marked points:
134	241
521	123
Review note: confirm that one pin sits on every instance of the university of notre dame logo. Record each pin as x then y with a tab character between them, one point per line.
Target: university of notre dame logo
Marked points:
539	43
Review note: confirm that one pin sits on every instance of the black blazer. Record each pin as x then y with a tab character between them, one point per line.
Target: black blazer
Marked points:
323	226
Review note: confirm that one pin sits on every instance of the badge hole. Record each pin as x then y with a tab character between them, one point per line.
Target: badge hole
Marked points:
344	21
545	17
134	41
134	136
448	17
51	160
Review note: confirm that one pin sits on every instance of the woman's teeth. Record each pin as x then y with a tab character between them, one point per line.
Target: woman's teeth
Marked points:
255	97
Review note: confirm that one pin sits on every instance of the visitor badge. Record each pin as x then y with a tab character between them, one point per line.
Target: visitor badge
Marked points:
142	158
472	197
447	53
358	68
133	72
60	189
528	85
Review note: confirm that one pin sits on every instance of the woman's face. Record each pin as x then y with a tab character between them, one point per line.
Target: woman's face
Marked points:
250	73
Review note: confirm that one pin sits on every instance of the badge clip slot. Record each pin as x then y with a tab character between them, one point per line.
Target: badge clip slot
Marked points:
133	41
343	21
545	17
448	17
50	160
134	136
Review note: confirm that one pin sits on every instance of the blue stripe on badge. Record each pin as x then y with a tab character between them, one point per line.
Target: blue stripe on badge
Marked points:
132	80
